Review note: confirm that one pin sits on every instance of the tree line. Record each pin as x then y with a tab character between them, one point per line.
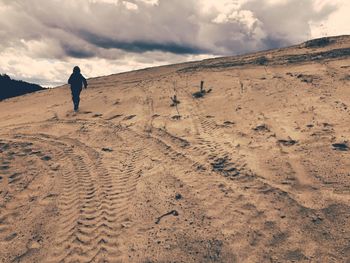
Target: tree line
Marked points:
11	88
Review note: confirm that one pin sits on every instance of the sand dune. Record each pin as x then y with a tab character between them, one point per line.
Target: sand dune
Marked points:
257	170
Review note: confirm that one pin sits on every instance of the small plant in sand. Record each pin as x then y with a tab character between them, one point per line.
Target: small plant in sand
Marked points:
202	92
174	101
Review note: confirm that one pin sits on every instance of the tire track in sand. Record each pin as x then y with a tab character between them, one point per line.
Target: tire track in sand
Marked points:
93	203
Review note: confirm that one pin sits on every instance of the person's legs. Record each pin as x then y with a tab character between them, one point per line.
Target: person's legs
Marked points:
76	98
76	101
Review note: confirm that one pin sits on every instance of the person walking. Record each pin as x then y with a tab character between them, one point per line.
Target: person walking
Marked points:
76	81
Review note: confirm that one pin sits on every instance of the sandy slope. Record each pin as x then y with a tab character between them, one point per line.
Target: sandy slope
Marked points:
248	173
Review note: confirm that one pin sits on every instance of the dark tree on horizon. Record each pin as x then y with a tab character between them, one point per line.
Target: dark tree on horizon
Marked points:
12	88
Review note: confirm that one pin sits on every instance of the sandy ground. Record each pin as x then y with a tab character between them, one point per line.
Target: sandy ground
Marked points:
258	170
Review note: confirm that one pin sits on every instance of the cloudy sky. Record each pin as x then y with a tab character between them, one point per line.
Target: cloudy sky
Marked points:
41	40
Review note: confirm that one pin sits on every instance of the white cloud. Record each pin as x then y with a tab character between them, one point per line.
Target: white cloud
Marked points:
338	23
130	6
150	2
114	2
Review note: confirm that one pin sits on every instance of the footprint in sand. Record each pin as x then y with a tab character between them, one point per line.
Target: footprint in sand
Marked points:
107	149
289	142
340	147
114	117
228	123
261	128
129	117
46	158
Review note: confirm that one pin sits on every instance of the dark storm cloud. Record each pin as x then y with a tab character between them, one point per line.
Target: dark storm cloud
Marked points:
139	46
86	28
77	53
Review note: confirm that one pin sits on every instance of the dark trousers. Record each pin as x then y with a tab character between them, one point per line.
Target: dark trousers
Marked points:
76	97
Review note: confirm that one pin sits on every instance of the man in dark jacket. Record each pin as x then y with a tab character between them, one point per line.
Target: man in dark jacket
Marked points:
76	81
